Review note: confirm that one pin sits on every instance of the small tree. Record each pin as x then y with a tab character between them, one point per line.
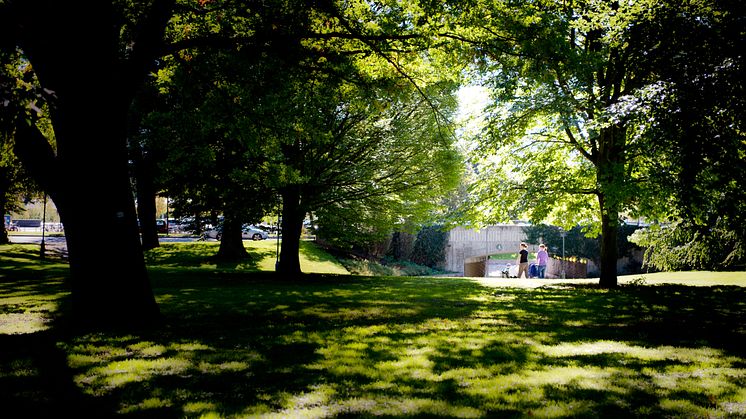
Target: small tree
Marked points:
430	247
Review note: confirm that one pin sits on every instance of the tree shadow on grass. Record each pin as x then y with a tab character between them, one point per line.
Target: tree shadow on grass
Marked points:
660	315
418	348
35	381
241	344
173	256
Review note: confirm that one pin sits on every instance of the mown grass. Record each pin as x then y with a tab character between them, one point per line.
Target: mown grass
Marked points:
262	257
239	343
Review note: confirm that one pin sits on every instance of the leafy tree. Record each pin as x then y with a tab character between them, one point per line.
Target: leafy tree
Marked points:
9	183
430	247
204	129
359	157
88	109
17	86
700	131
575	85
89	105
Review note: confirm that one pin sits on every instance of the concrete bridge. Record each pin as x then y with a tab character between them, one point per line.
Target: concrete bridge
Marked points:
468	252
468	249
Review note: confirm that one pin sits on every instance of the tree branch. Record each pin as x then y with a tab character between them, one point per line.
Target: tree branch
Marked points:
147	43
37	155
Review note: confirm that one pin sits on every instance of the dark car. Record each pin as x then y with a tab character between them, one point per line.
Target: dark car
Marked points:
161	226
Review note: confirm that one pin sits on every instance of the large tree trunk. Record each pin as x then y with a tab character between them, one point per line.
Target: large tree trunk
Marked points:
610	179
109	278
146	211
609	251
88	178
231	242
292	225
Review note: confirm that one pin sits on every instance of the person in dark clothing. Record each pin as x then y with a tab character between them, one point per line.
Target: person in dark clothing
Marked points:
523	260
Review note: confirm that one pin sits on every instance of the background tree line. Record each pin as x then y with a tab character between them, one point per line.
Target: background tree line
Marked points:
343	109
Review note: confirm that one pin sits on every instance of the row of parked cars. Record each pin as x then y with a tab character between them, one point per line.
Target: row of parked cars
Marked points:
184	226
247	232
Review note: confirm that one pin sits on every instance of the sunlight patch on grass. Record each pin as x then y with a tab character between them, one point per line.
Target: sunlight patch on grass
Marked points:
528	386
147	404
383	406
201	407
312	259
412	363
378	406
712	382
23	323
691	278
321	395
147	349
119	373
189	346
361	311
685	408
210	368
562	409
29	306
701	356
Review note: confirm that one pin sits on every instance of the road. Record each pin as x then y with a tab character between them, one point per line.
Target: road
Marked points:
58	244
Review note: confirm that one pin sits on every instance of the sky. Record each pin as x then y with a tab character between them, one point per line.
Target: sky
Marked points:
470	116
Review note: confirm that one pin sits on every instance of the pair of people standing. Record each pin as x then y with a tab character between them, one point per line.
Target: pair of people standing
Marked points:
541	261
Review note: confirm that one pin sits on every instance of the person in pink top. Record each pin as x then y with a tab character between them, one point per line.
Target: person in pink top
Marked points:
541	261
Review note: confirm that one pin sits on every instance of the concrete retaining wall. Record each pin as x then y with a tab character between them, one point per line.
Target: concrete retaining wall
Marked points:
466	243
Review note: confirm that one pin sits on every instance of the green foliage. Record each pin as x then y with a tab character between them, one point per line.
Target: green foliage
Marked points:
202	133
381	167
578	243
18	87
430	246
699	132
385	267
583	95
686	246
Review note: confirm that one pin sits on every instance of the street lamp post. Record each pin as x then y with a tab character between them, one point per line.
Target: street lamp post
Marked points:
562	272
42	249
167	226
279	229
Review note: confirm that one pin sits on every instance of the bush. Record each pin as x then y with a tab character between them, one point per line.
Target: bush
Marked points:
387	267
682	246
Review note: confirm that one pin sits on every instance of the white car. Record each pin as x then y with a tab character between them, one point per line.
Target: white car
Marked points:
248	232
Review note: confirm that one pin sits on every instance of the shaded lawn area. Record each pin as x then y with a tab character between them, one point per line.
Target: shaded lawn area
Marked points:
241	343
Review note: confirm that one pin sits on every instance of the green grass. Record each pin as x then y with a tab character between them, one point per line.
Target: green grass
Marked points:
262	257
243	344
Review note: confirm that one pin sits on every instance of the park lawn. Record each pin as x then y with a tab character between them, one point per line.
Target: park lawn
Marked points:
262	257
244	343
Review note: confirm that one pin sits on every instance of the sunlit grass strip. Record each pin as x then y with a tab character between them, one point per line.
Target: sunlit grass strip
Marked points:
109	364
262	257
373	406
23	323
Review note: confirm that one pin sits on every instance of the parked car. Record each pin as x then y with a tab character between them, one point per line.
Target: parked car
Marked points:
248	232
161	226
253	233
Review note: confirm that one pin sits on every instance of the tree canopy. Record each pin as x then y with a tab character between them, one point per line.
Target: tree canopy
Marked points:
596	113
574	133
89	105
